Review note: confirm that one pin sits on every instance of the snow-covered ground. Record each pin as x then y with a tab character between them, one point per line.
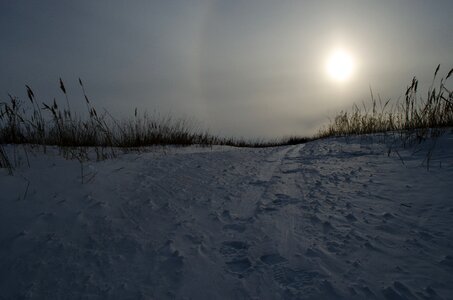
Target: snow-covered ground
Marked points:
331	219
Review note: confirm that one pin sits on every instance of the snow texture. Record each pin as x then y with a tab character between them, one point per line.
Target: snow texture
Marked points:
331	219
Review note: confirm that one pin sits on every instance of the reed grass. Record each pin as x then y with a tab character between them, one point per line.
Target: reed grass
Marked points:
413	115
41	123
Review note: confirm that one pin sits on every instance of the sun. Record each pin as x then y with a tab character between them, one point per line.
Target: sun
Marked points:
340	65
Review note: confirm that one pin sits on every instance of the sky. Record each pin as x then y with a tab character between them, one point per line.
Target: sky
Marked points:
253	69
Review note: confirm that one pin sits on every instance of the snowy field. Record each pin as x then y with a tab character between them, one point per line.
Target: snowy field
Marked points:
331	219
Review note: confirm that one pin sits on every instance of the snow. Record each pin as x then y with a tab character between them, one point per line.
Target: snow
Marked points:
331	219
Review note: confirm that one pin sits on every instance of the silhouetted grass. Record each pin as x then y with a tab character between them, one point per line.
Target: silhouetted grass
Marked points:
414	114
41	123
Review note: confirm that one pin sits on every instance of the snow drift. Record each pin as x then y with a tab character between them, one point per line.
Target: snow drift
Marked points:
330	219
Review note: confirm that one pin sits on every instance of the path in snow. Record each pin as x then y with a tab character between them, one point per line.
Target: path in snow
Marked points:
331	219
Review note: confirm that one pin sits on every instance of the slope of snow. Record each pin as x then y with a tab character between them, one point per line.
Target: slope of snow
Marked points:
331	219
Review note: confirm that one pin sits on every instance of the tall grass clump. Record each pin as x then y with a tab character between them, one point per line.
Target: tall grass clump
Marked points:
413	114
53	123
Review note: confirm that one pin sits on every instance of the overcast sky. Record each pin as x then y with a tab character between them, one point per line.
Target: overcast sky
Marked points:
251	68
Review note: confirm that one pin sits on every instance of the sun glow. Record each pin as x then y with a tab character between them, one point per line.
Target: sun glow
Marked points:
340	65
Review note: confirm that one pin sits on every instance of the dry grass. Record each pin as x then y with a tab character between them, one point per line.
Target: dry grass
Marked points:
413	115
34	122
40	123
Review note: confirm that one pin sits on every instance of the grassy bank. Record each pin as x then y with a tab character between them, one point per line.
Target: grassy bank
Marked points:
54	123
41	123
414	114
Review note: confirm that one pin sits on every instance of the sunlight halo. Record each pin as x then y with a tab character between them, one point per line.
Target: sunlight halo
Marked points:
340	65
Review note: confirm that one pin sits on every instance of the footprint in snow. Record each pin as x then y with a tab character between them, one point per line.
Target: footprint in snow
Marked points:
283	200
297	281
390	294
234	249
168	271
403	290
239	266
350	217
387	216
312	253
447	261
235	227
272	259
236	256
